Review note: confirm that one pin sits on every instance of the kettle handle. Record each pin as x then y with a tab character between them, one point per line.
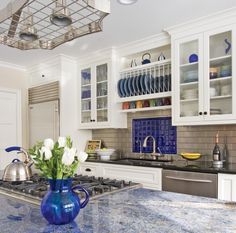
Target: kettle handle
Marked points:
145	54
15	160
13	148
85	202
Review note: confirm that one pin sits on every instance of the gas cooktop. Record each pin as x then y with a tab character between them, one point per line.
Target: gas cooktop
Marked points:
34	190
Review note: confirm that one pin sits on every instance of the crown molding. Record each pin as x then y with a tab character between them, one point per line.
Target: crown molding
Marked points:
147	43
46	63
68	58
97	55
12	66
218	19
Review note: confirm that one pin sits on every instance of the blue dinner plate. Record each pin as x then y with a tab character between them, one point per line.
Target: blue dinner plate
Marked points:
119	89
131	86
122	87
167	82
147	81
142	84
138	84
127	94
162	84
128	87
157	84
134	85
152	84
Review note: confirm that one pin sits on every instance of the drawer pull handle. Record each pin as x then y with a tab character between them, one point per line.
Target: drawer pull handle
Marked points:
88	170
189	180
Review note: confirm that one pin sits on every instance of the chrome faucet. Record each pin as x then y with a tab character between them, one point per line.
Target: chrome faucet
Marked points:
154	153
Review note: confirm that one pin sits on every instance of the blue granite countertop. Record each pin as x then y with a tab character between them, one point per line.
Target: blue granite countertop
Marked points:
133	211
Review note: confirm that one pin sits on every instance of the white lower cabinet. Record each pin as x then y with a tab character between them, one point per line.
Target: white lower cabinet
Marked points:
148	177
227	187
89	169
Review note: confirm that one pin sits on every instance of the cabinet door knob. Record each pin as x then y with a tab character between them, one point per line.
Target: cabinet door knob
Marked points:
91	120
200	113
88	170
205	113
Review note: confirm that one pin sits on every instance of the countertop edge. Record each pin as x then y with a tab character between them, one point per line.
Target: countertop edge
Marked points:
172	167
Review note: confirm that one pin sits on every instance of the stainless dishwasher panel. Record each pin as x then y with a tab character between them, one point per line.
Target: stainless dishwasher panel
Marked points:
195	183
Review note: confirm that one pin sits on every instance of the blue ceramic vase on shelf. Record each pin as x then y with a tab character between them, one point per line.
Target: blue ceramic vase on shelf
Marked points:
61	204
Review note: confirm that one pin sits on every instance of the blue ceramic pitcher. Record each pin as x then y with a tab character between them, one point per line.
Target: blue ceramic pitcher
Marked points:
61	204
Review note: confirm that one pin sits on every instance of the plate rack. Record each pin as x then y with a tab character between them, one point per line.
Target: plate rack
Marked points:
145	82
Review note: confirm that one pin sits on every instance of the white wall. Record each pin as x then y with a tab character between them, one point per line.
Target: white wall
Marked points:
69	104
17	79
63	69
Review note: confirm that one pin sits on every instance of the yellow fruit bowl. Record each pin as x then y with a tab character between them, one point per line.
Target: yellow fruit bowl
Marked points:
191	156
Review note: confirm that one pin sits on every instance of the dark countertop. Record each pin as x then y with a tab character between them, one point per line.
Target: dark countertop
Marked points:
194	166
130	211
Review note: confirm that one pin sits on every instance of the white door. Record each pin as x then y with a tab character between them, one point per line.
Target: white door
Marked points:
10	124
44	121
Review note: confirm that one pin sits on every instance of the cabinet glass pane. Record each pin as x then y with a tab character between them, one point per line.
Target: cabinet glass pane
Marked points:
189	79
102	91
86	95
220	74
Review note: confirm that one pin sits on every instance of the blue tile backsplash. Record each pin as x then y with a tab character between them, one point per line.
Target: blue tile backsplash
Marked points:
160	128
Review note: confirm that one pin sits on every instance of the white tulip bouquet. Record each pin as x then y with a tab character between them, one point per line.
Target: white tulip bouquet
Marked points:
57	160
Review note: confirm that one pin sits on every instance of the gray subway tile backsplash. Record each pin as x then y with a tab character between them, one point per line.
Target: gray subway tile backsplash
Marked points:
189	138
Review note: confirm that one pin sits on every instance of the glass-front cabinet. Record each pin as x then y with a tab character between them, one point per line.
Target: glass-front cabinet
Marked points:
219	67
86	90
94	94
97	103
189	83
203	90
102	92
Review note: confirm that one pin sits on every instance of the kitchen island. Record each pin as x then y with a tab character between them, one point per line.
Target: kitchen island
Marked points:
129	211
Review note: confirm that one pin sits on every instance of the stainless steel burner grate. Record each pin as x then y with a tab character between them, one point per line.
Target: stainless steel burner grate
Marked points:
35	189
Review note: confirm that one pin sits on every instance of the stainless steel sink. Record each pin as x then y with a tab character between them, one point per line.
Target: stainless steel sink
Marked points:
144	162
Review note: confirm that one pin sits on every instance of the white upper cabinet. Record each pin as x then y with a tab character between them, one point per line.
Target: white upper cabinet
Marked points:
203	70
97	106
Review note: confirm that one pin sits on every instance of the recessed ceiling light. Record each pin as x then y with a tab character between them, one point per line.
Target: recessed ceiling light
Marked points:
127	2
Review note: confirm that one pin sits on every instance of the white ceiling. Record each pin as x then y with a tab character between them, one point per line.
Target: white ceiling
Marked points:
123	25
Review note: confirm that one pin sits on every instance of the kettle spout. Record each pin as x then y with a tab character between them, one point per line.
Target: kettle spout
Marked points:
28	161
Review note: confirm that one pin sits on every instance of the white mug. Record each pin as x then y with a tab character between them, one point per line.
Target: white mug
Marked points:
212	91
226	90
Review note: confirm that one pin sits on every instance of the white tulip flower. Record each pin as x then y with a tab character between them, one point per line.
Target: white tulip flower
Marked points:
48	143
47	153
69	156
82	156
62	142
